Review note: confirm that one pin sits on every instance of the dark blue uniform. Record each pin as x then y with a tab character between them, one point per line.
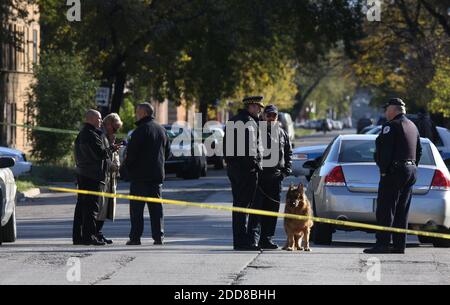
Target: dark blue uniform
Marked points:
262	228
243	174
398	152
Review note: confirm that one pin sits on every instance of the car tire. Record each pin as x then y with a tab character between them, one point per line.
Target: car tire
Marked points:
204	168
440	242
425	239
322	233
194	171
219	163
9	231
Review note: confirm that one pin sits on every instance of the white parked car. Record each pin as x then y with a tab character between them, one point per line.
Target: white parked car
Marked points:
7	202
22	166
345	182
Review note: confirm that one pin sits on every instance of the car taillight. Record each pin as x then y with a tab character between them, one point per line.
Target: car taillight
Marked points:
440	181
300	157
335	177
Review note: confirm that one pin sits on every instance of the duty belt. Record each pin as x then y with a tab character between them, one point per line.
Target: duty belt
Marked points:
403	163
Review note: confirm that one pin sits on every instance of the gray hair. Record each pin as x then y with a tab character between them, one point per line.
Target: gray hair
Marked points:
113	118
147	107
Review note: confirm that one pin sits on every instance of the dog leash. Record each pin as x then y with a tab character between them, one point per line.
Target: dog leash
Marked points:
267	196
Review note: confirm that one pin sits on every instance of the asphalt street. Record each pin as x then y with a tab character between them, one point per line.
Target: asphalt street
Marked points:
198	248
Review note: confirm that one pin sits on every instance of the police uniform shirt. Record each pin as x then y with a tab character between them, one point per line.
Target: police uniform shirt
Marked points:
399	141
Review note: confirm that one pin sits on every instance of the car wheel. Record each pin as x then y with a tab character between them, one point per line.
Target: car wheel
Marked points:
204	168
194	171
425	239
9	231
322	233
440	242
219	163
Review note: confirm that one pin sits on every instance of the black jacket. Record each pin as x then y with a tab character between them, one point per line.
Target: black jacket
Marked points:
90	153
284	166
147	151
251	159
399	140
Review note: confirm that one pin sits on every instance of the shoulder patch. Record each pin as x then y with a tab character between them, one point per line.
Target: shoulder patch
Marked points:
386	130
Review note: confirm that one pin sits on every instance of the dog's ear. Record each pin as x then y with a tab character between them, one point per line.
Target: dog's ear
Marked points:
300	188
291	186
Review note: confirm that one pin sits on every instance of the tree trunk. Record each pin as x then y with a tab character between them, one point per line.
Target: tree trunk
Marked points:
204	110
118	95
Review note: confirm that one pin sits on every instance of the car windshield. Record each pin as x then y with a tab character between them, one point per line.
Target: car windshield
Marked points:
362	151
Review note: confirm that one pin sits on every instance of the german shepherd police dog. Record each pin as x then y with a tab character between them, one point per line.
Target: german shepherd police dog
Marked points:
297	230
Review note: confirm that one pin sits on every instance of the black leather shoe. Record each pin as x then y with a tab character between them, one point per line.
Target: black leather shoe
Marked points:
158	242
94	242
269	245
398	251
133	243
378	250
105	240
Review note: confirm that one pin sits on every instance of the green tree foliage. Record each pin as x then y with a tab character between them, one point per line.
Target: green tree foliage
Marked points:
399	56
201	51
440	85
59	98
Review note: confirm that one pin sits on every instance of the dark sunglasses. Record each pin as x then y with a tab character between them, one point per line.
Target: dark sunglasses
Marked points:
271	115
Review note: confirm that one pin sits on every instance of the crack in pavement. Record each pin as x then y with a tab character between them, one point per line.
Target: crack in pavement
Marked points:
122	263
240	275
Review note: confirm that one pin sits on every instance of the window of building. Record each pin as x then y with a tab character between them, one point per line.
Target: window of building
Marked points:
35	46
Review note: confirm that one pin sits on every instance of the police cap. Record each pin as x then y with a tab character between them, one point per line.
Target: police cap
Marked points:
253	100
271	109
394	102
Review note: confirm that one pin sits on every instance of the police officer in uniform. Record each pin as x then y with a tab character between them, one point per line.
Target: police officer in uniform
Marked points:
398	153
262	228
243	166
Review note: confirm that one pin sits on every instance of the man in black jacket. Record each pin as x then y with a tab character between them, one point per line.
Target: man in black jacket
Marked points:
90	155
147	151
243	156
262	228
398	153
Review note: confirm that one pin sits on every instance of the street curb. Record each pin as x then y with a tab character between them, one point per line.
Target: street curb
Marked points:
30	193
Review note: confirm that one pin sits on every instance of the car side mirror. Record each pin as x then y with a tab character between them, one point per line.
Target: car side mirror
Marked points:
6	162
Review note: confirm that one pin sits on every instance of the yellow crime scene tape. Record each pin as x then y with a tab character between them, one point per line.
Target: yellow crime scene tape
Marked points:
226	208
50	129
253	211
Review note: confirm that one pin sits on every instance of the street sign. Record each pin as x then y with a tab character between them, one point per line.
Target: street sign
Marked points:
102	96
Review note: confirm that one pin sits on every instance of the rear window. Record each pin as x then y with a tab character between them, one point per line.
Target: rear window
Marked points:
362	151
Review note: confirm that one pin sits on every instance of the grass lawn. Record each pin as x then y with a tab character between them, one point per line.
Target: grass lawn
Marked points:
300	132
43	175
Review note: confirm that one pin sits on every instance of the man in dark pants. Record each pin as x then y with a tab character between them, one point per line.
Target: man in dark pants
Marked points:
262	228
398	152
146	153
243	158
90	155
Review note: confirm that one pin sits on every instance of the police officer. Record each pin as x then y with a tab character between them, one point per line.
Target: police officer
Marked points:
243	158
398	152
262	228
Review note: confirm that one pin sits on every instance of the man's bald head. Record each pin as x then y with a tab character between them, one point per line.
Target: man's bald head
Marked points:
94	118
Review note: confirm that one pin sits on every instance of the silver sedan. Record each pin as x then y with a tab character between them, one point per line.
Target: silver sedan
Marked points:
344	186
